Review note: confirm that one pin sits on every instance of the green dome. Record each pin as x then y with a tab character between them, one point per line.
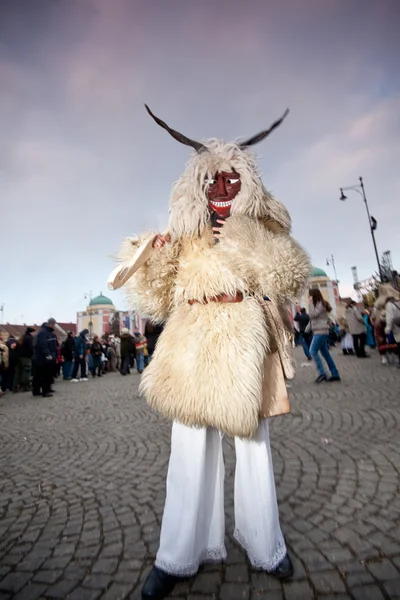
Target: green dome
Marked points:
318	272
101	300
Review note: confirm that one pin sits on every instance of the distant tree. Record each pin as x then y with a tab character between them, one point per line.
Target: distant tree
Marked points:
115	324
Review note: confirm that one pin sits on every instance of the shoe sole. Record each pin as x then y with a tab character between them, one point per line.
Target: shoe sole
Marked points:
286	575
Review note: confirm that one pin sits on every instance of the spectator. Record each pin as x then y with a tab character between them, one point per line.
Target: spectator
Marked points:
127	351
319	325
357	328
346	339
23	369
140	341
54	348
113	357
96	350
68	354
117	342
80	356
152	333
9	373
45	360
379	322
106	356
59	358
370	341
3	365
303	319
391	300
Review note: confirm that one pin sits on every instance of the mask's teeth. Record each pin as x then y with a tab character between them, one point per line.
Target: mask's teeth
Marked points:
222	204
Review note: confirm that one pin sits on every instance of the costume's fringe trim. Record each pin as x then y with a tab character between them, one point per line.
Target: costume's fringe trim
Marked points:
262	564
210	555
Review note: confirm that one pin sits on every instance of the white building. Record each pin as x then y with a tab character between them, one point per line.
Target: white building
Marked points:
99	315
329	290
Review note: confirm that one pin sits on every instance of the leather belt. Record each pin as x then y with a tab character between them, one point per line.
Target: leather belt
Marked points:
224	298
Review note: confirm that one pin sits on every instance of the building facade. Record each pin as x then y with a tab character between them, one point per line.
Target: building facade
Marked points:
100	314
329	290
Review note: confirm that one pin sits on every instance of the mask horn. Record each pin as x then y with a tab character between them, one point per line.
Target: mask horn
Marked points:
175	134
263	134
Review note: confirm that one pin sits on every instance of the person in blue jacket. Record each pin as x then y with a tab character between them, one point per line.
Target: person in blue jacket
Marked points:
370	330
80	356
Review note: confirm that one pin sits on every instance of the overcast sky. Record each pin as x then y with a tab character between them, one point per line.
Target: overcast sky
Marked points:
82	165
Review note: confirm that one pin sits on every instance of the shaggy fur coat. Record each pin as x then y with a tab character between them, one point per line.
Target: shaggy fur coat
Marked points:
215	363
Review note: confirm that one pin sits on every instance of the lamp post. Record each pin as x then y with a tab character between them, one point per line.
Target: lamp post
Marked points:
331	261
89	295
372	222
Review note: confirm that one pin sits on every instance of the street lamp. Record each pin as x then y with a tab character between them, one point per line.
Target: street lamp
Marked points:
372	222
331	261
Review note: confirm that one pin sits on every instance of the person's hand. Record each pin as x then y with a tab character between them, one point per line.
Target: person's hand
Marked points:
160	240
217	230
81	356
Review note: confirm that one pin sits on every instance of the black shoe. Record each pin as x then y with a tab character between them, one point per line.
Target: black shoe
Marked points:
321	378
284	570
158	585
334	378
47	395
52	391
309	357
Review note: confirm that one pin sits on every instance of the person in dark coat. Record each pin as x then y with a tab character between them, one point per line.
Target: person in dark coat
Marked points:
96	350
45	356
67	351
303	319
24	351
127	351
152	333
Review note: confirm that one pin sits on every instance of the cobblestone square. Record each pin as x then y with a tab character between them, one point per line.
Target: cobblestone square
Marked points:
82	485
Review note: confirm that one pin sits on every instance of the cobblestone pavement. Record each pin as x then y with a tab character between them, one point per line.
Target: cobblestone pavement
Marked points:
82	492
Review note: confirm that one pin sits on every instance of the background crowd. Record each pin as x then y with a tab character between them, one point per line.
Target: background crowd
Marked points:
33	362
377	328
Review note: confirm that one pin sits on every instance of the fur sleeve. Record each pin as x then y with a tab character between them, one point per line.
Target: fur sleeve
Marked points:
150	290
274	264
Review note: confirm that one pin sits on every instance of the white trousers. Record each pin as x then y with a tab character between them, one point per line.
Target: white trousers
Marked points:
193	527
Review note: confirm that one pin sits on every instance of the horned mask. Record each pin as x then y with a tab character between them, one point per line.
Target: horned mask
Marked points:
221	177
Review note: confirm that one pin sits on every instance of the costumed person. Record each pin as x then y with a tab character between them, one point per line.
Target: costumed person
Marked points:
228	247
389	302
